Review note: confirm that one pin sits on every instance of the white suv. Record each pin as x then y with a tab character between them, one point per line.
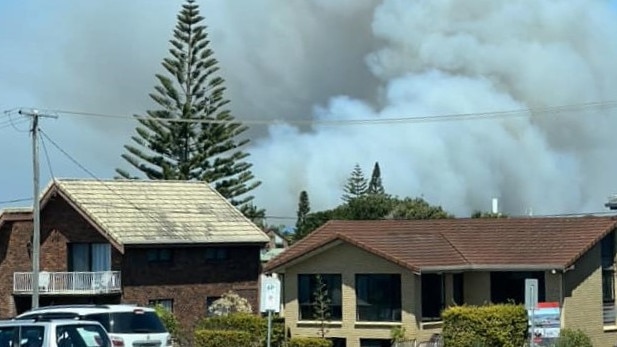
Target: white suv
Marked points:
53	333
127	325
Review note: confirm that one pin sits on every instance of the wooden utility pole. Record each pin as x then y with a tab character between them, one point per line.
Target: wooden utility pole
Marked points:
36	213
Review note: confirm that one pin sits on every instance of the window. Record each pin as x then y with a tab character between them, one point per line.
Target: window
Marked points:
31	336
433	296
378	297
308	287
82	335
458	292
375	343
337	341
89	257
607	246
209	301
510	286
168	304
7	334
216	253
159	255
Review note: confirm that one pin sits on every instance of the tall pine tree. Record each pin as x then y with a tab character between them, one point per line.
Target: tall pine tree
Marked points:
191	135
304	208
375	185
356	185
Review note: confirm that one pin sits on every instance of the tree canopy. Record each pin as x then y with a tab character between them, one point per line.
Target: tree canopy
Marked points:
191	134
375	186
374	207
356	184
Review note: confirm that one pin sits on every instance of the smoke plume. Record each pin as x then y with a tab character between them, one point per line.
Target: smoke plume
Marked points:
363	60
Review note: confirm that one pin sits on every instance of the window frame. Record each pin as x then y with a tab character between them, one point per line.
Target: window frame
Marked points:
304	301
168	303
157	255
216	254
393	299
607	263
428	295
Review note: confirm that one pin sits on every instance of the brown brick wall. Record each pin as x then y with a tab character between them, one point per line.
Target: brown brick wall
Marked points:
14	237
189	279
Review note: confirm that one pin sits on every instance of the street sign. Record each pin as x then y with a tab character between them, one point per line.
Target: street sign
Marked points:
531	293
270	294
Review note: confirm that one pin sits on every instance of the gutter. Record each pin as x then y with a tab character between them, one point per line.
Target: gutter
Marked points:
493	267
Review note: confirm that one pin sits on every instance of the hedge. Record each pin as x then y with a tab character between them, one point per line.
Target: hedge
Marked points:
222	338
255	325
309	342
502	325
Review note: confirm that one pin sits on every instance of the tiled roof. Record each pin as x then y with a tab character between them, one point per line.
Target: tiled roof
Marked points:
461	244
146	212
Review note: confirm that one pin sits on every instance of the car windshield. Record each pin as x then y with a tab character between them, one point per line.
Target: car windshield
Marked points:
81	335
135	322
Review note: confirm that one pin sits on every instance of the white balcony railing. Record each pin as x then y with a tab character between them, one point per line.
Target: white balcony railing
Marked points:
102	282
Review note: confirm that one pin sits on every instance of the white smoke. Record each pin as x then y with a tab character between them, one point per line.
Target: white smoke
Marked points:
353	60
449	57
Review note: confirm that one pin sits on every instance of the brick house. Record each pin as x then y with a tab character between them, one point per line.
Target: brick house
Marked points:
179	244
387	273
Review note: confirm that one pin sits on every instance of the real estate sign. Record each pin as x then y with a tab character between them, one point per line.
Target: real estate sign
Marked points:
546	323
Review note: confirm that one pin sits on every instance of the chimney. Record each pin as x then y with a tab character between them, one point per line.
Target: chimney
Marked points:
495	205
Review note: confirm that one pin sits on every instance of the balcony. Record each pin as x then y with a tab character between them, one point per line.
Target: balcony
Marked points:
71	283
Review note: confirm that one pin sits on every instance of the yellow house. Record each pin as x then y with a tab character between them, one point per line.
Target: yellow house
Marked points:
384	274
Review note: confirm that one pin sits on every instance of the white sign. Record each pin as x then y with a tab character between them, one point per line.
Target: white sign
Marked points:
531	293
270	298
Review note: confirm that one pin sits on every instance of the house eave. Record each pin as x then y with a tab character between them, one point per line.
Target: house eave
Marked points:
491	267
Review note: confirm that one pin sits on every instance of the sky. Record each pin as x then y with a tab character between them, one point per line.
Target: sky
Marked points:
325	85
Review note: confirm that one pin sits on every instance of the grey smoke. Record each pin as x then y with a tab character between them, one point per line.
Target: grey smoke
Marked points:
368	59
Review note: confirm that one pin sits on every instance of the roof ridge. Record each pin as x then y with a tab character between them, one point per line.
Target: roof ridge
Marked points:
454	247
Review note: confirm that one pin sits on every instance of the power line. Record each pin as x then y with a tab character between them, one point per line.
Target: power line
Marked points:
135	207
489	115
14	200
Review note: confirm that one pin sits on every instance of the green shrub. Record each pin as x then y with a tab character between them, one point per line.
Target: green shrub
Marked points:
256	326
222	338
169	320
573	338
309	342
502	325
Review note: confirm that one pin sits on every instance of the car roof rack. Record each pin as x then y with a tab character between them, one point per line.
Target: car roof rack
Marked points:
48	317
69	306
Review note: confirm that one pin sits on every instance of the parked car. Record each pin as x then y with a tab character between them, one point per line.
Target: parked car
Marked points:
46	332
127	325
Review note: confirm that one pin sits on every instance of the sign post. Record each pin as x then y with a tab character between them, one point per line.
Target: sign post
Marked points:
531	302
270	299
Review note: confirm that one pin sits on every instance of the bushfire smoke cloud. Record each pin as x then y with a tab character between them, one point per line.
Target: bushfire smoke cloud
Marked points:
371	59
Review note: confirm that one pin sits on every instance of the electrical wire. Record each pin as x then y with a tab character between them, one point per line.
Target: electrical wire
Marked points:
51	171
522	112
152	216
14	200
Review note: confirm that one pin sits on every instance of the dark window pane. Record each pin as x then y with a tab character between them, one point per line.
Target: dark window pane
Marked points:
375	343
378	297
509	286
135	322
307	288
608	251
432	296
458	293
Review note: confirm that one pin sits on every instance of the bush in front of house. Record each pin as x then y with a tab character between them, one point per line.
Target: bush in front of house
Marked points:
493	325
255	325
573	338
223	338
308	342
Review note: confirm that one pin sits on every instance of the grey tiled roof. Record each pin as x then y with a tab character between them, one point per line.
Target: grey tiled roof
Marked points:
146	211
